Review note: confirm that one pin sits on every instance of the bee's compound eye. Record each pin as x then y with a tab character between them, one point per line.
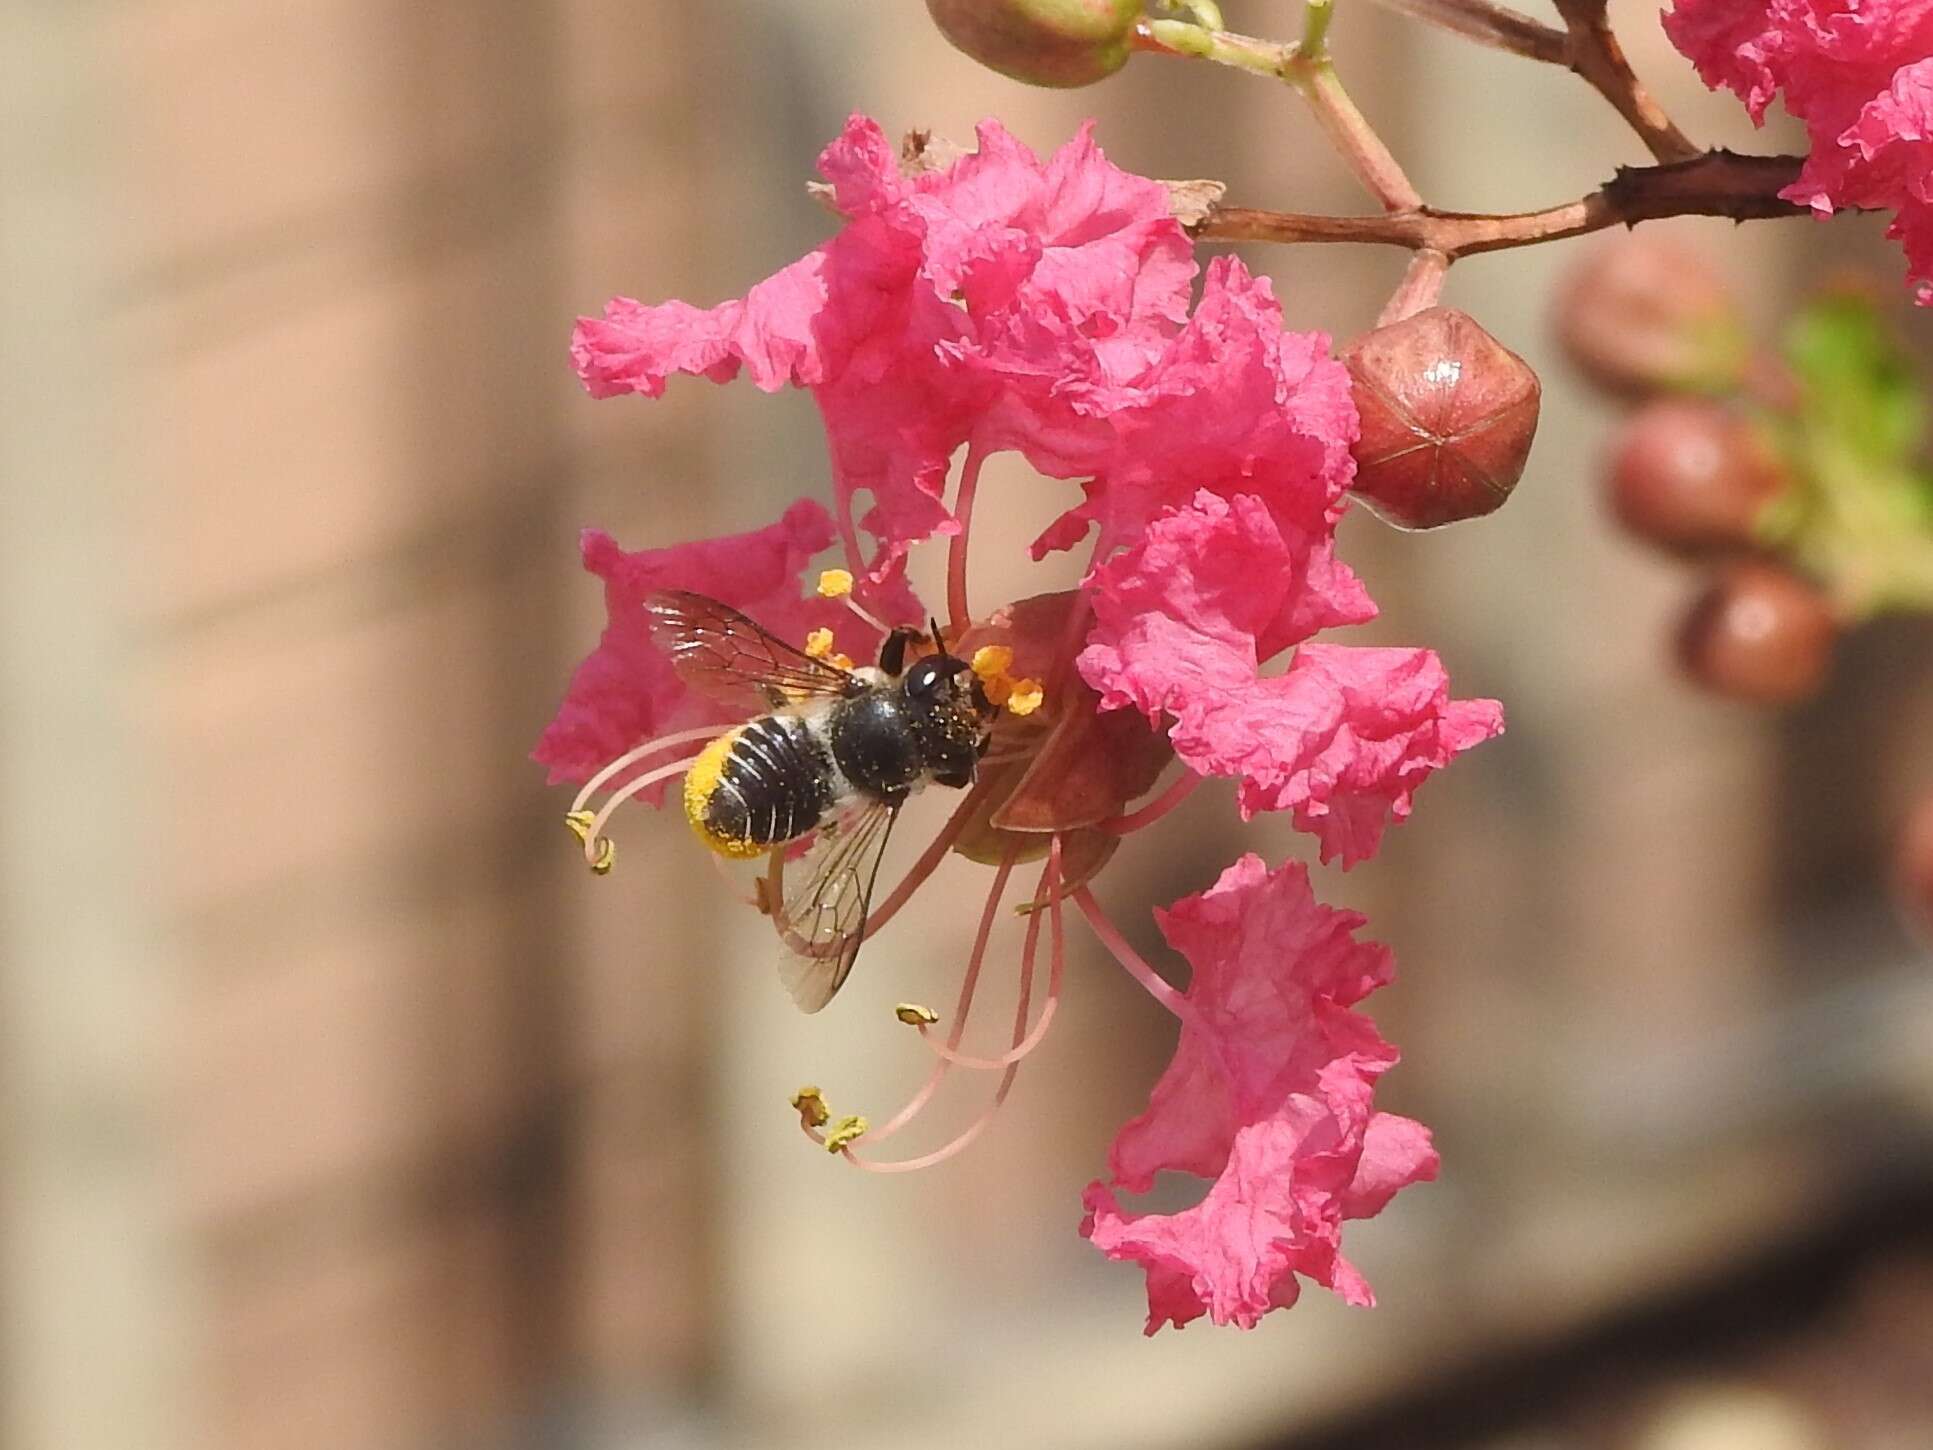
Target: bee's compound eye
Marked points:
924	679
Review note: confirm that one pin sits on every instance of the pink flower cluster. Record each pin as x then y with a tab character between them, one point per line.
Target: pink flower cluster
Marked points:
1859	73
1006	303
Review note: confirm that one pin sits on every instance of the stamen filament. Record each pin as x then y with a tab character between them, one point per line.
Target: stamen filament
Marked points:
738	892
979	1125
1177	791
638	752
956	547
1049	895
594	839
963	1007
927	864
1127	956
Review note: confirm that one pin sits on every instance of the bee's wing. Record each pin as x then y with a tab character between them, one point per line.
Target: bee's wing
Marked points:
823	920
733	659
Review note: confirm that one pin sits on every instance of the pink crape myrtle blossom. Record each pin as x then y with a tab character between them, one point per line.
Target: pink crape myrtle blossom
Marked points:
1005	303
1859	73
1269	1095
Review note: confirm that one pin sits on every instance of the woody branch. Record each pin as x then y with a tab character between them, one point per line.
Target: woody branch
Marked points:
1712	183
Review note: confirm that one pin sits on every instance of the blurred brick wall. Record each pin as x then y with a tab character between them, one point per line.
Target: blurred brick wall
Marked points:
431	1182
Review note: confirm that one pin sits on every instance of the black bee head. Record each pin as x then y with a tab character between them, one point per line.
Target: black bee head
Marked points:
940	680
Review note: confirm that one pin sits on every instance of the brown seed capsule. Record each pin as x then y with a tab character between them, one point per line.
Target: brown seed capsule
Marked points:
1759	633
1913	868
1042	42
1448	414
1691	477
1642	314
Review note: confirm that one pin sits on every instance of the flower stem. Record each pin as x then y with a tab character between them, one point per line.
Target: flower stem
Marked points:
1224	47
1130	960
1420	288
1596	55
1353	137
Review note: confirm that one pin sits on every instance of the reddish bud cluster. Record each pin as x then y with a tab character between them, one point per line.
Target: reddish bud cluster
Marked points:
1690	473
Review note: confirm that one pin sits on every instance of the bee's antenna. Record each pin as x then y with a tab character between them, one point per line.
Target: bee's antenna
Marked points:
939	640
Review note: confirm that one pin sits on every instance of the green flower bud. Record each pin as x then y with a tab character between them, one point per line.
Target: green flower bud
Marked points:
1042	42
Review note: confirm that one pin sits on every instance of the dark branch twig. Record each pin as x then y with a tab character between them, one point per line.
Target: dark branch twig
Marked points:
1712	183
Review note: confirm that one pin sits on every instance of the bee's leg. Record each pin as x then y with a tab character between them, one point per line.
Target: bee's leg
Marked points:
957	779
892	653
982	745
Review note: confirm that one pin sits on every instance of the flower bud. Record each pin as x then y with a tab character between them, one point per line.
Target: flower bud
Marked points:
1042	42
1759	633
1692	478
1913	868
1644	315
1448	414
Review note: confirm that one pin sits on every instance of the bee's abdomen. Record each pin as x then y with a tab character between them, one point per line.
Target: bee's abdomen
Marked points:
753	787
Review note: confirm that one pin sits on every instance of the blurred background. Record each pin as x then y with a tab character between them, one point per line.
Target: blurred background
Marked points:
343	1108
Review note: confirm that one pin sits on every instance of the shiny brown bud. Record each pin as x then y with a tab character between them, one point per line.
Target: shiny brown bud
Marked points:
1448	414
1759	633
1641	314
1691	477
1042	42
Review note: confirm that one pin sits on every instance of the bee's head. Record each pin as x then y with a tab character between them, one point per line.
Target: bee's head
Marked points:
936	681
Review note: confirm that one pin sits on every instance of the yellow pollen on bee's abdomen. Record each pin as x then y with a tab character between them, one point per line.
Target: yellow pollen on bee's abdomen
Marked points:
701	783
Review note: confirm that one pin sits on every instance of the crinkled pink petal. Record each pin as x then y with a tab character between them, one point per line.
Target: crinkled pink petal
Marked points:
1342	739
1233	403
1857	73
901	323
626	691
1270	1095
1184	619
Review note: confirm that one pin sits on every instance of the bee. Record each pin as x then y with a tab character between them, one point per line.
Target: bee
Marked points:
835	751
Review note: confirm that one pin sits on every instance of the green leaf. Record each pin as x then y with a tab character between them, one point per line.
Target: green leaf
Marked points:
1859	383
1858	513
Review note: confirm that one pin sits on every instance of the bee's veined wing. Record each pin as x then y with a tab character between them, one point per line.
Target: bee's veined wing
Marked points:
734	659
822	922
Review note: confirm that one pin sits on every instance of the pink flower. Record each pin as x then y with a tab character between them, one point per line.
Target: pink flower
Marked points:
1005	303
947	299
626	691
1184	619
1270	1096
1857	73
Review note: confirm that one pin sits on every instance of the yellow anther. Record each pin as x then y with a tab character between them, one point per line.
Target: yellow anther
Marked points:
581	824
992	661
811	1106
914	1015
818	644
1024	697
844	662
835	583
847	1131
